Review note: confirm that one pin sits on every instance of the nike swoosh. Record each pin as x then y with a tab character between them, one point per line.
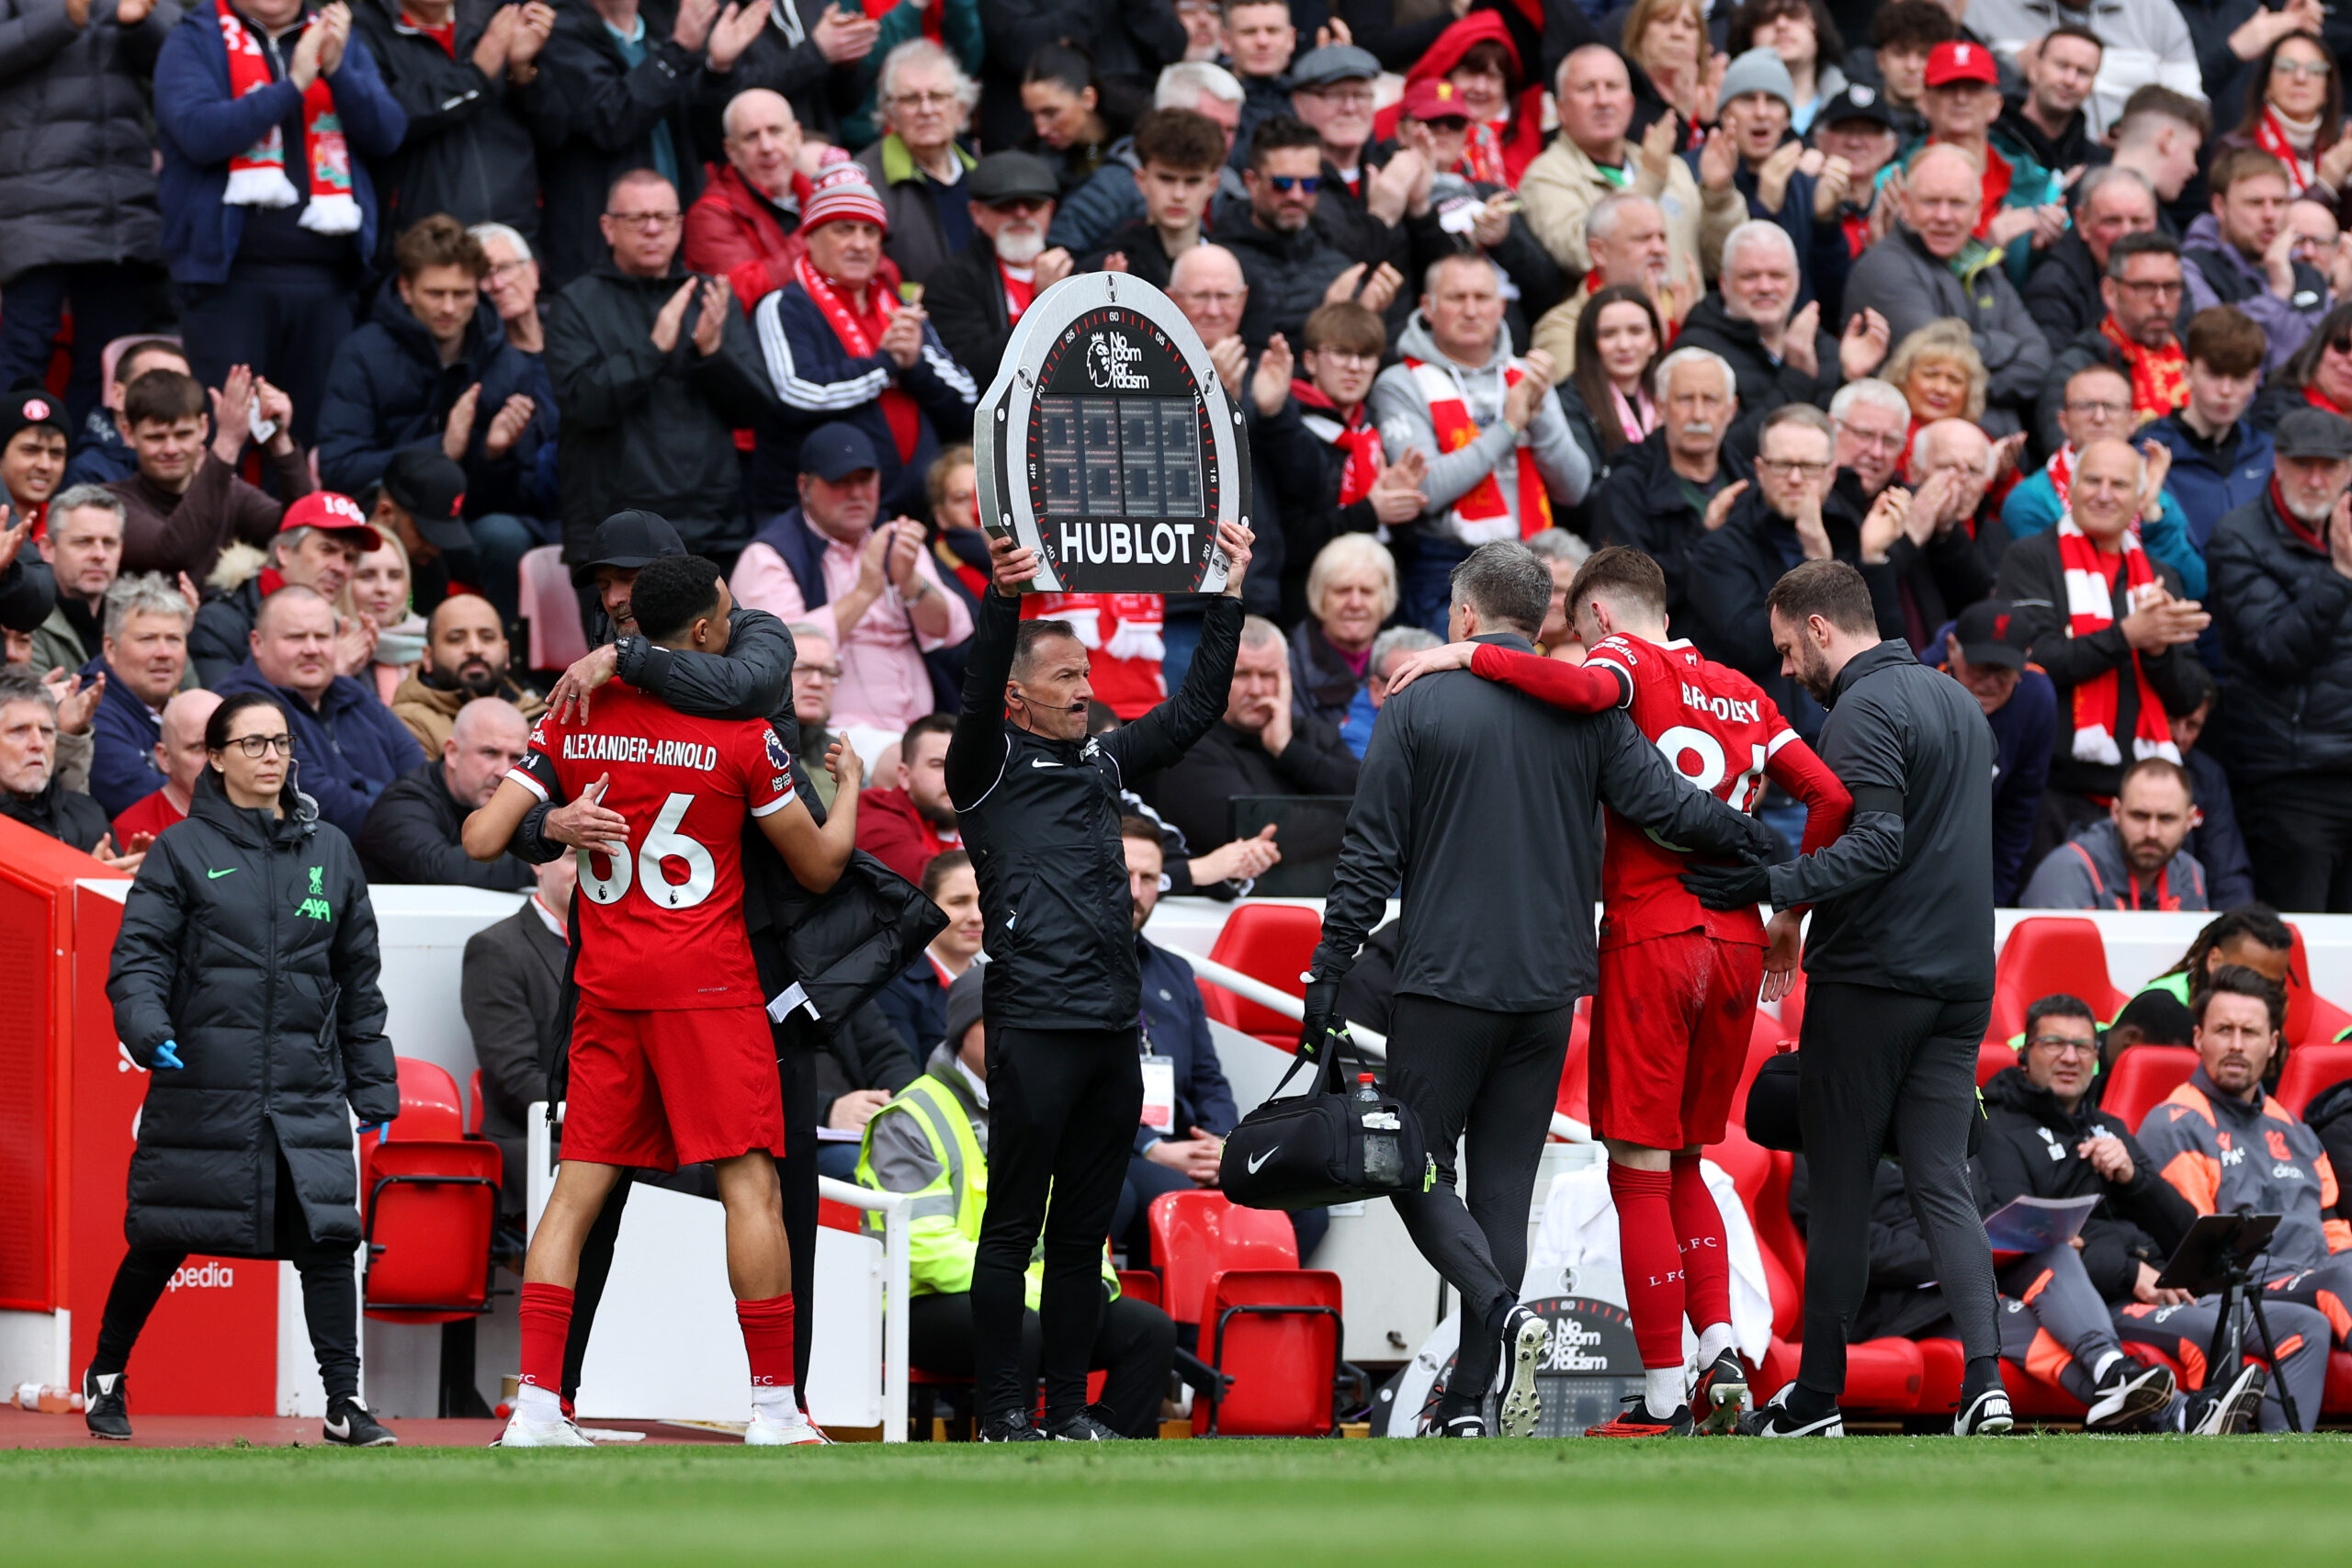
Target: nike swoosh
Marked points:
338	1429
1041	762
1258	1159
216	876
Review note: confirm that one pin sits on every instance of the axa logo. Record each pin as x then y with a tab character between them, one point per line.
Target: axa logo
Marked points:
314	907
1111	360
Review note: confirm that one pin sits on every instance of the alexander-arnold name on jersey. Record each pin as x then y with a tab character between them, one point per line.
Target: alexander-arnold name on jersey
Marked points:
594	747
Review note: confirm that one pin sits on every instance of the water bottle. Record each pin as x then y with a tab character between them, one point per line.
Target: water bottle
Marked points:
1384	1162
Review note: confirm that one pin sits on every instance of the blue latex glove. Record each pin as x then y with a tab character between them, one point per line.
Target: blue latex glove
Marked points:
167	1054
379	1128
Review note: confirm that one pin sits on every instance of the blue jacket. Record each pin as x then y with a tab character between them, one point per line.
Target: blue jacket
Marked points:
345	751
201	127
122	745
2216	842
817	382
916	1005
2024	730
1176	1025
2032	506
2212	482
387	391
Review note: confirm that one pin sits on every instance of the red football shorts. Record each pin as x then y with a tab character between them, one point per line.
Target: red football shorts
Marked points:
1671	1025
673	1088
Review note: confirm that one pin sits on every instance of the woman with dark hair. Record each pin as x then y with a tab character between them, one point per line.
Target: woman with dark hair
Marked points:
2294	112
1502	100
244	982
1607	398
1808	43
2319	375
1071	125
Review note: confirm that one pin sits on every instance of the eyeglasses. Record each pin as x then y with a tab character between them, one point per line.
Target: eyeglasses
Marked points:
2159	288
2063	1046
1307	185
1021	206
259	746
933	100
651	223
2112	410
1790	468
1881	440
2313	68
500	271
2341	344
817	671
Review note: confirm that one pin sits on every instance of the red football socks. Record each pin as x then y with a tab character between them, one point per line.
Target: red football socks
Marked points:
546	1313
1653	1265
1706	1260
767	1340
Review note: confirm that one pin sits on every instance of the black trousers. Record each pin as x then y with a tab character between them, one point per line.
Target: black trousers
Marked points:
1492	1077
1063	1108
284	321
1880	1067
330	1295
796	1174
1134	1342
2299	836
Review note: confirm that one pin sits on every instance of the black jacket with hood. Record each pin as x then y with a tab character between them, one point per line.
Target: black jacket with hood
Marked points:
468	152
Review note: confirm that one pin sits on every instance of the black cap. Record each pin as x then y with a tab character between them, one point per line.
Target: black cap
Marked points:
1990	633
1000	176
432	491
1858	101
964	1005
833	452
25	404
627	540
2313	433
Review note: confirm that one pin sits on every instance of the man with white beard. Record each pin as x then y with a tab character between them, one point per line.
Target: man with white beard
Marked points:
975	298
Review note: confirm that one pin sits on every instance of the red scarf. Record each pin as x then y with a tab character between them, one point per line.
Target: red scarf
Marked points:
2319	399
2295	525
2271	135
2061	470
1354	433
1018	291
1482	152
258	175
1482	516
2090	608
2159	376
445	34
932	11
858	335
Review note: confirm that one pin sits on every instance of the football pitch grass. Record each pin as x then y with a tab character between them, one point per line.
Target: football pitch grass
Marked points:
2060	1499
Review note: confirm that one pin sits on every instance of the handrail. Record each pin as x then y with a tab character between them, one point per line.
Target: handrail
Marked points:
1373	1045
897	1258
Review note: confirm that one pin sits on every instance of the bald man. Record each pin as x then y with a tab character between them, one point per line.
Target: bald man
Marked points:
1909	278
466	658
736	229
179	752
412	833
1943	553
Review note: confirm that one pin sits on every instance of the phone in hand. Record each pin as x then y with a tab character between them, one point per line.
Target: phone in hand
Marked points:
263	429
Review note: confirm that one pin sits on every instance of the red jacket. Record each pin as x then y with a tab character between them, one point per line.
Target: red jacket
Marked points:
891	830
732	233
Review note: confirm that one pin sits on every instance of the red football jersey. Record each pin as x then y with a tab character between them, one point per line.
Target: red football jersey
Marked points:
1723	734
662	927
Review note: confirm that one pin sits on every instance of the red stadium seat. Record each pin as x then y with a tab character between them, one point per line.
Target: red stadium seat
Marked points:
2311	1068
2141	1077
1274	944
1768	1038
1793	1011
1575	1099
2311	1017
431	1207
2048	954
1275	1334
1196	1235
429	1104
473	1105
1883	1375
1991	1057
1943	1366
1139	1285
2338	1401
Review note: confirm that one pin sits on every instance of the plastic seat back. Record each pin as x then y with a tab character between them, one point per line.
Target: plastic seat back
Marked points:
546	598
1575	1096
1766	1040
1276	1333
473	1105
2046	954
2140	1079
2311	1068
1992	1057
1184	1243
1272	943
430	1107
2312	1019
1139	1285
430	1208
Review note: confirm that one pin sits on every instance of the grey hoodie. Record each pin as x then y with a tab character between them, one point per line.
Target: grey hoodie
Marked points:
2089	872
1401	409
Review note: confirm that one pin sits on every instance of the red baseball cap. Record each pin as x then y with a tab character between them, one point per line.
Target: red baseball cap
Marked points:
331	514
1961	62
1433	99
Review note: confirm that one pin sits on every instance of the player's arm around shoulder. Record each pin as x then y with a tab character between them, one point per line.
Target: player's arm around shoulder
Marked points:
488	831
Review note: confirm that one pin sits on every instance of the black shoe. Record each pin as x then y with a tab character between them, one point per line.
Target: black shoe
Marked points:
350	1424
1086	1427
2223	1412
1722	1395
1013	1427
1457	1416
1774	1419
105	1407
1637	1421
1984	1413
2129	1394
1524	1336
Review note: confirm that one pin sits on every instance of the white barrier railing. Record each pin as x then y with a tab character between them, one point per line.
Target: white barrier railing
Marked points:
897	1252
1248	988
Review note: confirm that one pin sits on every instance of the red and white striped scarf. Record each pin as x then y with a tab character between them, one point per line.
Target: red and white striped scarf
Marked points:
2090	608
859	342
257	175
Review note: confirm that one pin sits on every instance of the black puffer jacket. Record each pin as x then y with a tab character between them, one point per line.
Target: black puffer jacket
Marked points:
1286	273
68	815
2028	1152
2284	616
248	938
468	152
77	158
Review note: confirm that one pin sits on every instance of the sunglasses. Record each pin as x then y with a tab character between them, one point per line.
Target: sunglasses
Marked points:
1306	184
2341	342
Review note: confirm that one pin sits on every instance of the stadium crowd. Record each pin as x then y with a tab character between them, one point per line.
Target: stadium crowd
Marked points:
353	351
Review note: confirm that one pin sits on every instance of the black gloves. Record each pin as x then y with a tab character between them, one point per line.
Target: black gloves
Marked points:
1727	886
1763	844
1322	1019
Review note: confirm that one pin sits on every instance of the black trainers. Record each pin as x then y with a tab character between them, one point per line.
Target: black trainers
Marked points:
2127	1395
2226	1411
1086	1427
1774	1419
1457	1416
351	1425
105	1407
1524	1336
1011	1427
1637	1421
1722	1395
1985	1413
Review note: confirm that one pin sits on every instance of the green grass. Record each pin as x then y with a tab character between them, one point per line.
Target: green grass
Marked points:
2067	1500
